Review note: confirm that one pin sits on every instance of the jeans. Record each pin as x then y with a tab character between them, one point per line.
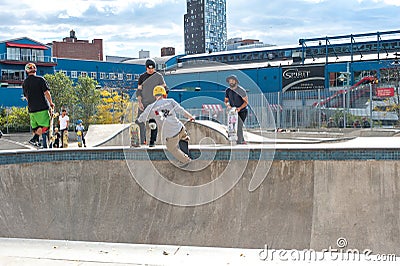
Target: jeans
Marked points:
142	127
242	117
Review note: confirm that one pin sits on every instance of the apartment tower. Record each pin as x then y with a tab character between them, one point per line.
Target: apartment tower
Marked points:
205	26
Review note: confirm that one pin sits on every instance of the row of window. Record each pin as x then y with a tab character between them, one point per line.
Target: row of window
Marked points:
344	49
19	75
102	75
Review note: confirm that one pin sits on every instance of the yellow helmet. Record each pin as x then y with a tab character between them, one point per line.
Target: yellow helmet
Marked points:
159	90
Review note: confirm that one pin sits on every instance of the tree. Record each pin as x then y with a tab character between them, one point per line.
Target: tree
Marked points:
16	119
113	107
62	91
88	99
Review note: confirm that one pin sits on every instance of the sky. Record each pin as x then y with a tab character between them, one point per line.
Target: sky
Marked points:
128	26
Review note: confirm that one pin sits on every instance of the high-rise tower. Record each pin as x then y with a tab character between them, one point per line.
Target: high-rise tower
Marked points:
205	26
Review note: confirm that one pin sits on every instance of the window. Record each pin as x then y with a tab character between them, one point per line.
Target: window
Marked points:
74	74
83	74
38	55
136	76
129	76
13	53
93	75
112	76
120	76
103	75
26	54
9	74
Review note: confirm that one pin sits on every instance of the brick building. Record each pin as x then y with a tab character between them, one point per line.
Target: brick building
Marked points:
166	51
71	47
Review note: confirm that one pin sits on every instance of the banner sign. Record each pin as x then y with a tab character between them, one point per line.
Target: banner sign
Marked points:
385	92
303	78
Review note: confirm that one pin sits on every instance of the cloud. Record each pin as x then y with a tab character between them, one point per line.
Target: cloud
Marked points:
127	26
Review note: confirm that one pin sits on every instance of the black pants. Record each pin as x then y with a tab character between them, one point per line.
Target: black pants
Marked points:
242	117
142	127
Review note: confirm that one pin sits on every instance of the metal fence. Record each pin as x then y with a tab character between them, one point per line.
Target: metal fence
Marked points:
293	110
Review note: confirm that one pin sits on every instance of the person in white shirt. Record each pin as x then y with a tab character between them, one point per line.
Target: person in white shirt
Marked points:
164	111
63	122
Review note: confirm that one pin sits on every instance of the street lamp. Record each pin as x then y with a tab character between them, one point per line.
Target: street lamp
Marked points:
344	76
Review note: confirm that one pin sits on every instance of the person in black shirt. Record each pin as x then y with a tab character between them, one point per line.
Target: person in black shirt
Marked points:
146	84
236	96
37	93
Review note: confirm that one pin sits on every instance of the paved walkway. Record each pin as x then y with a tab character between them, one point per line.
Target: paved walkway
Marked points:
30	252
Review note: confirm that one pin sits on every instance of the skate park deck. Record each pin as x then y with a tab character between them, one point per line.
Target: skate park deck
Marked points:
312	195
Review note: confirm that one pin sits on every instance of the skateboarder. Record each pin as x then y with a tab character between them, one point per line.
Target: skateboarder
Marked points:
146	83
63	121
164	111
80	128
37	93
236	96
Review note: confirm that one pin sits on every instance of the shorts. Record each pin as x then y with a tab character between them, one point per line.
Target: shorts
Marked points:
40	119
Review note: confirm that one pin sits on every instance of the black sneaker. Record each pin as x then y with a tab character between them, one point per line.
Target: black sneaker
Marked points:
151	145
33	143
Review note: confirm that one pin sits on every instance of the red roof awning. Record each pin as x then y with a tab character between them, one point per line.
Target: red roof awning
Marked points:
23	45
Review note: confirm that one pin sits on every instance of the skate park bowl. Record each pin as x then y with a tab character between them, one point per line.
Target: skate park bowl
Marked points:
310	198
115	134
199	130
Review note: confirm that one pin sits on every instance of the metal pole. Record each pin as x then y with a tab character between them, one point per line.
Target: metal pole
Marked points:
344	108
7	112
295	101
370	104
319	108
278	116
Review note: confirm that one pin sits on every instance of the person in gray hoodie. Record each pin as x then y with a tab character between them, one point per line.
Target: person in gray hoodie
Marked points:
164	111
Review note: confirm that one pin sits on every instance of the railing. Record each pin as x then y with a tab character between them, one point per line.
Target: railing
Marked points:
28	58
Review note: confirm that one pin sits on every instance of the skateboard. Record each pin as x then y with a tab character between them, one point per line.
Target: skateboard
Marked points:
232	125
79	138
65	139
52	137
134	132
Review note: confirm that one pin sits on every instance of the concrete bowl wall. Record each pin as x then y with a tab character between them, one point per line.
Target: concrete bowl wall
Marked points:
301	204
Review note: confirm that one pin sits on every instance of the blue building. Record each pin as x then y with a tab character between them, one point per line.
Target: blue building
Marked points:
310	66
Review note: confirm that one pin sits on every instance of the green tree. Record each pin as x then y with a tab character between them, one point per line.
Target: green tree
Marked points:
62	91
15	119
88	99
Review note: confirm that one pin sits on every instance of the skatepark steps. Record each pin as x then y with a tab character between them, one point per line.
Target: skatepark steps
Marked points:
309	199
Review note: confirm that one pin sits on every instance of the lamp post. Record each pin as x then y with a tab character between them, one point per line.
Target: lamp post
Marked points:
345	76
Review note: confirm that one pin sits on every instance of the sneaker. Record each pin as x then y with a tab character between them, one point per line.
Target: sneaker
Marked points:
151	145
33	143
242	143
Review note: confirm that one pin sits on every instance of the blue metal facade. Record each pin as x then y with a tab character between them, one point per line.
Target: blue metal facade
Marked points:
184	85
